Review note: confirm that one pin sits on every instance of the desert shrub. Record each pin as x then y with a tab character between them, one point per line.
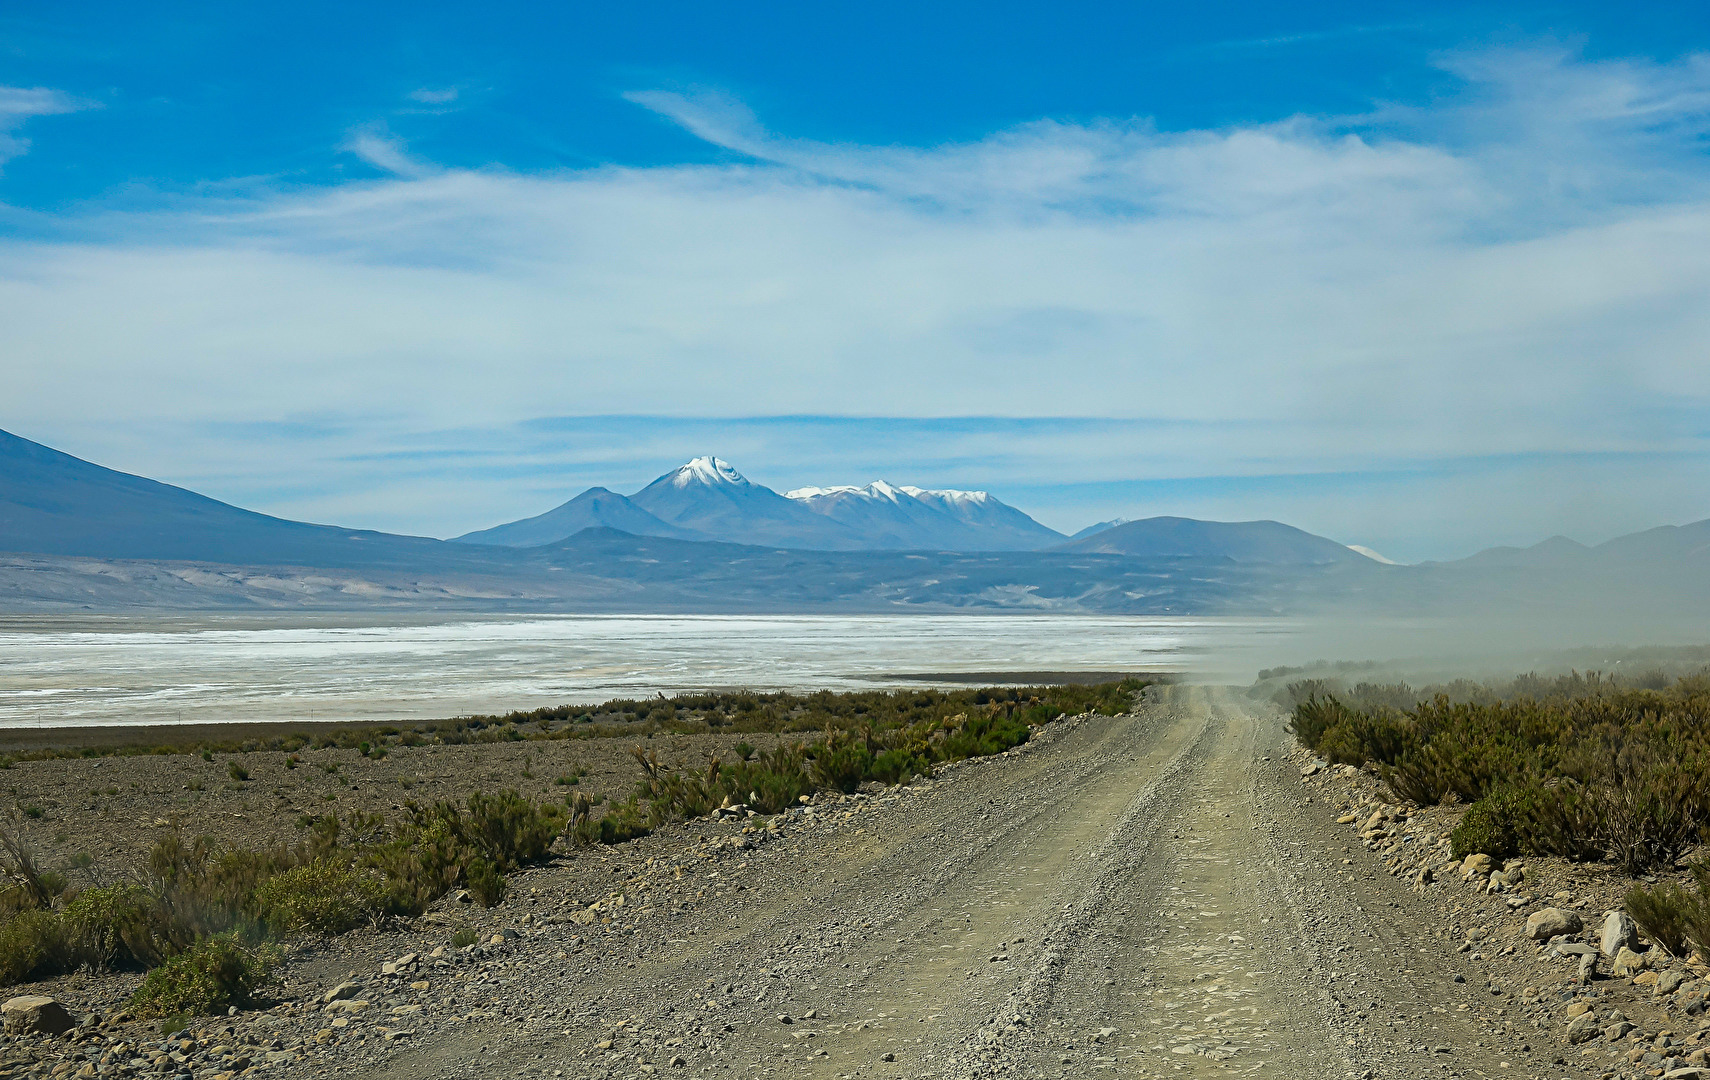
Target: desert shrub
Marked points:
32	945
1586	769
1651	804
201	889
983	735
1316	715
326	896
1668	914
840	763
896	765
510	830
438	847
485	882
236	771
114	925
463	938
621	823
1489	826
210	976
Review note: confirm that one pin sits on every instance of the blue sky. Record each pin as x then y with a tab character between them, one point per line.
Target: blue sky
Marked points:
1423	277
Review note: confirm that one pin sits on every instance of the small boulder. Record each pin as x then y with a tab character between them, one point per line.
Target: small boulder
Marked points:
35	1013
341	991
1619	933
1478	864
1583	1029
1628	963
1587	968
1668	982
1552	921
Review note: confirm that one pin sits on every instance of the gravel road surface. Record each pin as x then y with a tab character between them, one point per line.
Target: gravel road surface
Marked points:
1144	895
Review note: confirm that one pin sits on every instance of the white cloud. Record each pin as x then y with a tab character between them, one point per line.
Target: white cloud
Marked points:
385	151
18	104
1522	269
430	96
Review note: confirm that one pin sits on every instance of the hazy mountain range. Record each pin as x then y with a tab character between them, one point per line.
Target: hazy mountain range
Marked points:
703	537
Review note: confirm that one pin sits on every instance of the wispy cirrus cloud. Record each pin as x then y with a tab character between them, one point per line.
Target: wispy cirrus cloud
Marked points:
385	151
1519	272
19	104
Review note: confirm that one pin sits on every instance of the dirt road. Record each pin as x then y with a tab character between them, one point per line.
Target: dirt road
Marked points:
1140	895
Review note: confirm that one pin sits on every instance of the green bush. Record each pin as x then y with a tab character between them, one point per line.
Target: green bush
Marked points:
1489	826
840	763
1668	915
983	735
464	938
236	771
485	882
895	766
114	925
1590	771
325	896
210	976
621	823
438	847
32	945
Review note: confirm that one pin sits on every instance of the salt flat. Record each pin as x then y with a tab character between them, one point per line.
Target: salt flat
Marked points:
83	670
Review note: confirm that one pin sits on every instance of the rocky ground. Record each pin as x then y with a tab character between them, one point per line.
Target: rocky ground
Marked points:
1164	893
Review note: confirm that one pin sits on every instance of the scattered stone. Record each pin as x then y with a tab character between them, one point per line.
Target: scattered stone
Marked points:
1552	922
1583	1029
36	1013
1477	864
1619	932
1668	982
1628	963
341	991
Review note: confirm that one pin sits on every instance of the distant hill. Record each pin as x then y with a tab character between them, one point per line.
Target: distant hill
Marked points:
1258	542
1098	527
1557	551
593	509
54	504
1684	547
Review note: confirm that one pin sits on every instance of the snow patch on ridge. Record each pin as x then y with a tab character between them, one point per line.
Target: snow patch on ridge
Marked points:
1372	555
879	489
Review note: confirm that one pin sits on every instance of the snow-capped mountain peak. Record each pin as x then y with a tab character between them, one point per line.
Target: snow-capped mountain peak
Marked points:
707	470
878	489
948	495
